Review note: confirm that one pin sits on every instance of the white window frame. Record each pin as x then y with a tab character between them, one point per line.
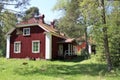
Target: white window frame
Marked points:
38	46
19	50
24	29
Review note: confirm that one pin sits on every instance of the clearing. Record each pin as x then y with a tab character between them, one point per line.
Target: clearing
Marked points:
17	69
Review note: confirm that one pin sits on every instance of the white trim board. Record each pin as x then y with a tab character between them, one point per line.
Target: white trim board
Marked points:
8	47
48	46
26	25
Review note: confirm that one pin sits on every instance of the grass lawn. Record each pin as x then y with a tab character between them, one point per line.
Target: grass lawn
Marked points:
16	69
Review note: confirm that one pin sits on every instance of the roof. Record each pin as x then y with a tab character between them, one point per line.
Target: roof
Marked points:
69	40
37	22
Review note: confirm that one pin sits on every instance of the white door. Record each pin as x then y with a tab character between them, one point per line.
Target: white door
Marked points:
60	49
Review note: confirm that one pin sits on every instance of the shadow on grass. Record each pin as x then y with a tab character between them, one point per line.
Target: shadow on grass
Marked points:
71	59
56	70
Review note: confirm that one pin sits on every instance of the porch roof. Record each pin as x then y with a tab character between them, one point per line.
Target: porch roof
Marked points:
68	41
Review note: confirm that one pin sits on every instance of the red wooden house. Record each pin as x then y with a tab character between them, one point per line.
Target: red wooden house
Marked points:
35	39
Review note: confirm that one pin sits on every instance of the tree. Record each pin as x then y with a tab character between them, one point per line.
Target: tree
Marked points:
20	4
104	27
89	14
15	3
92	14
113	33
105	35
31	13
6	23
69	23
97	14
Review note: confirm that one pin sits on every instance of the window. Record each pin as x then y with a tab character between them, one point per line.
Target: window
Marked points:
26	31
36	46
17	47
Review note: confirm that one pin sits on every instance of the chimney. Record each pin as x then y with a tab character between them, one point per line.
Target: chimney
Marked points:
52	24
41	19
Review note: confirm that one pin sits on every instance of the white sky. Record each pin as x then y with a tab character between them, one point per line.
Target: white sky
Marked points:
45	7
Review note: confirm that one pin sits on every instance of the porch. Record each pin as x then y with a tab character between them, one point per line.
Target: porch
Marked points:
67	48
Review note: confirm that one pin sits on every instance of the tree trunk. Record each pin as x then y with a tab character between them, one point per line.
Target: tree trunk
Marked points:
106	45
86	39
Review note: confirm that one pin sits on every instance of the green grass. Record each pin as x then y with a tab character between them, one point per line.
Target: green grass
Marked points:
16	69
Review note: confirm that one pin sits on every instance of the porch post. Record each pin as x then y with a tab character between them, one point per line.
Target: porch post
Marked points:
69	48
48	46
89	49
8	46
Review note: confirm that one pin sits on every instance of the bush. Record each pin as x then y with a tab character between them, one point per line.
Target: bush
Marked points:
1	54
84	54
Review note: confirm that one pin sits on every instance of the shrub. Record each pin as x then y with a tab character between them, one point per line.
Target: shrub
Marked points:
1	53
84	54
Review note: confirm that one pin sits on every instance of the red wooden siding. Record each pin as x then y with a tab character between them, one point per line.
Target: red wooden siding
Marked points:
81	46
36	33
65	47
55	46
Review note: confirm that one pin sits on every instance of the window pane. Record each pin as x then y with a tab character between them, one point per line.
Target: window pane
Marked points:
35	47
26	31
17	47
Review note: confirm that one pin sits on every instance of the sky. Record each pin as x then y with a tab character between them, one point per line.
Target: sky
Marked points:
45	7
